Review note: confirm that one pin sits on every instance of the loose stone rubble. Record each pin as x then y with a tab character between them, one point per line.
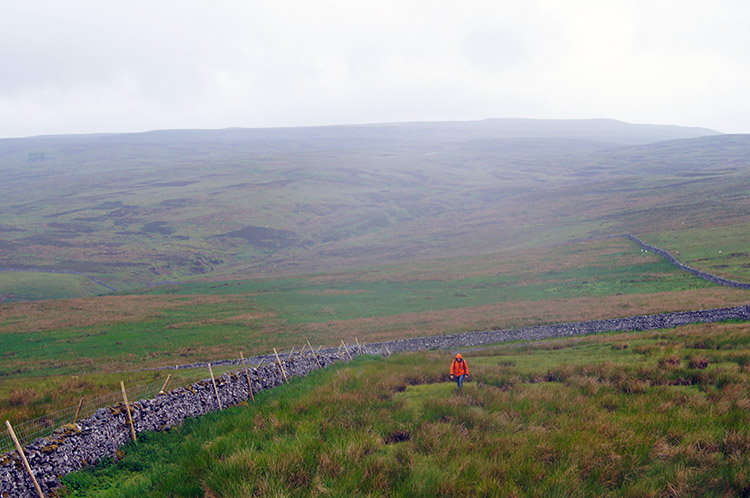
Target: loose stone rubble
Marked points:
75	446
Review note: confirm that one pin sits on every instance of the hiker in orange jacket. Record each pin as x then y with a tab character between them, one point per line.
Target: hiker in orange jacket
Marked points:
459	370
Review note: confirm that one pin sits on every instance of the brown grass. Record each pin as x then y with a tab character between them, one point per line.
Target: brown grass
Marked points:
23	397
526	264
670	362
699	362
84	312
244	319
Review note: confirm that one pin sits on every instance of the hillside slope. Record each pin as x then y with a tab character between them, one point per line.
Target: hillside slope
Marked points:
141	208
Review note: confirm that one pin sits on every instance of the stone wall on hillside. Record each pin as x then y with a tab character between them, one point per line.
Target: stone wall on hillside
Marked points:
702	274
75	446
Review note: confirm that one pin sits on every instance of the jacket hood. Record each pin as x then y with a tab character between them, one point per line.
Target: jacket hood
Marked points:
459	356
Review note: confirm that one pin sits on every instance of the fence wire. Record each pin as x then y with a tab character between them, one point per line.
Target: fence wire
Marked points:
28	431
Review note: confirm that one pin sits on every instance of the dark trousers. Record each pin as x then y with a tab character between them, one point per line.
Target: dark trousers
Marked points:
460	380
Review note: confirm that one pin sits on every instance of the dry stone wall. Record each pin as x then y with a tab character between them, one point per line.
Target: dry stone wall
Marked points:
75	446
560	330
702	274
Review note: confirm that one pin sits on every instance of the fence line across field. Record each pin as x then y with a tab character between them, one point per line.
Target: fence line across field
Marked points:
44	426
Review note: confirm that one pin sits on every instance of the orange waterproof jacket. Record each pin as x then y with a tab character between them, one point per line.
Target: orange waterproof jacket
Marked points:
459	367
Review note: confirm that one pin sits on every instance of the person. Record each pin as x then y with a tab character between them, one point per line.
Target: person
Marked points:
459	370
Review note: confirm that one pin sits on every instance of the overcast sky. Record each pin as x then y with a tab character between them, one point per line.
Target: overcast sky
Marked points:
78	66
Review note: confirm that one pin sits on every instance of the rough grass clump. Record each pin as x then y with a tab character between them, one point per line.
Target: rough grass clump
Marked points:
700	362
669	362
23	397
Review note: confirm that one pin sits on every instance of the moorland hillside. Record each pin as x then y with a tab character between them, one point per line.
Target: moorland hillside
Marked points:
134	209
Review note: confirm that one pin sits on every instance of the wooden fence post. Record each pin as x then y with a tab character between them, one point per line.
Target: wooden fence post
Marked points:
216	390
314	355
249	384
23	457
280	365
387	350
127	408
78	411
261	362
301	350
346	349
161	391
359	346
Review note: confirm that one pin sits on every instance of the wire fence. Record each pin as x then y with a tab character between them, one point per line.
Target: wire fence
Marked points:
44	426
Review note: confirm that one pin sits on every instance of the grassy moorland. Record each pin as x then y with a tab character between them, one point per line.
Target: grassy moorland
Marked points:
143	208
79	343
661	413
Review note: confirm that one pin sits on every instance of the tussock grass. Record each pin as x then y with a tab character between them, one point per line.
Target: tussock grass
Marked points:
578	417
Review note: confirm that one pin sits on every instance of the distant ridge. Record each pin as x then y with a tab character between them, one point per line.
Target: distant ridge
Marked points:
607	130
601	130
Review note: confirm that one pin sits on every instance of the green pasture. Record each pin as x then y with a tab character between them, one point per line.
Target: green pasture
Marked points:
375	292
130	345
722	251
636	414
303	302
29	286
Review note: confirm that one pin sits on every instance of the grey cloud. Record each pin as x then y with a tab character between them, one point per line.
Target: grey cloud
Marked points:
88	66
